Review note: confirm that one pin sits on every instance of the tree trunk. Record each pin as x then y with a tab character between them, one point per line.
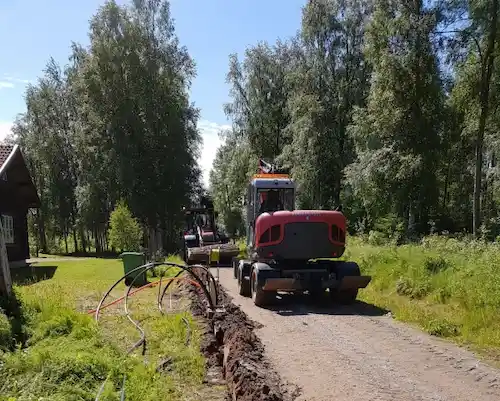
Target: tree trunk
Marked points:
97	245
84	239
75	239
486	73
446	183
41	231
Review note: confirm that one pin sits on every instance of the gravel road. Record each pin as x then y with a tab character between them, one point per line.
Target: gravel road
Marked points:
359	353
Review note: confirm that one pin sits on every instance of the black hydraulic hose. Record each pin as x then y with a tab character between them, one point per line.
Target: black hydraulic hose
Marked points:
159	293
188	331
162	294
212	279
185	268
188	269
101	389
122	395
145	268
113	286
122	390
142	340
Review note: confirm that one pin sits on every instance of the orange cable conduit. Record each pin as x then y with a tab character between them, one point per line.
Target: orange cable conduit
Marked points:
143	287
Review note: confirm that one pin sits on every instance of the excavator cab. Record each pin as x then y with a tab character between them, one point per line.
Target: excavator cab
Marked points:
268	193
273	200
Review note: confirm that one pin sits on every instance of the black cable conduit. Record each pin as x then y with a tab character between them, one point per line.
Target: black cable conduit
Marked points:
146	267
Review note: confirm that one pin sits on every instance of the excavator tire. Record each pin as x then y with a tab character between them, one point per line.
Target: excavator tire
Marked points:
259	296
243	286
347	296
234	264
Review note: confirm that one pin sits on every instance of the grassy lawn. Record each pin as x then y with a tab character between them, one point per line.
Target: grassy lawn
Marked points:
447	287
68	356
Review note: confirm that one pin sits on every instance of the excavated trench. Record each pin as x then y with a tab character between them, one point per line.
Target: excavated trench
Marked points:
235	353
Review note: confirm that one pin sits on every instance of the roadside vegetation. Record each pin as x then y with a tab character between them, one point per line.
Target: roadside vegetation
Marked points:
88	151
449	287
66	356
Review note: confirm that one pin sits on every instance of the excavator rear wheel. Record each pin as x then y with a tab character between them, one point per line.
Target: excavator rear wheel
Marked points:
259	296
345	297
316	294
243	285
235	262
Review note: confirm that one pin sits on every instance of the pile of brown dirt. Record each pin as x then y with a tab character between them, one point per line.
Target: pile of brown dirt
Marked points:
229	342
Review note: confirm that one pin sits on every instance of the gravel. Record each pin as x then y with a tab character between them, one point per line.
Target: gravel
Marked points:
360	353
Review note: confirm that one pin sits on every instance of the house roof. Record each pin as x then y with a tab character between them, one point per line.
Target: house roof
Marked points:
18	176
5	152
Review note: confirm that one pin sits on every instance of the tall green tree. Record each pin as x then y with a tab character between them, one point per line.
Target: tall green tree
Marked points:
477	42
330	79
398	134
115	123
259	95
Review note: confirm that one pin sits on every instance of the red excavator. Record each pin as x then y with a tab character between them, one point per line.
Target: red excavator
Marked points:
292	250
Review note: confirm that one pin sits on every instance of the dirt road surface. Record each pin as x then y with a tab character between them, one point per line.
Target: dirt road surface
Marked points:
359	353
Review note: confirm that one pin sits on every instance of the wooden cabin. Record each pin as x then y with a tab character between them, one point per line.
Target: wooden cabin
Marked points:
17	195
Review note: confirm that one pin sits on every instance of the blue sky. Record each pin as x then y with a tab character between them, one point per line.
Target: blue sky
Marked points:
31	31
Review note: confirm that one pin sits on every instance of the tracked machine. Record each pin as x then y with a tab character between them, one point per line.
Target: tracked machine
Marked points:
292	250
202	234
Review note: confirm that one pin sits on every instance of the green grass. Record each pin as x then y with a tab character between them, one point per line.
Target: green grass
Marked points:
447	287
68	356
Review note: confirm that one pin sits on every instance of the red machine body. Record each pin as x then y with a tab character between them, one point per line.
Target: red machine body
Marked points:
300	234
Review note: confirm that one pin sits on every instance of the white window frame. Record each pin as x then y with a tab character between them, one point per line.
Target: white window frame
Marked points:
8	228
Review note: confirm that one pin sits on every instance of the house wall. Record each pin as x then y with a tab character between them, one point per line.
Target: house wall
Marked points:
19	250
11	206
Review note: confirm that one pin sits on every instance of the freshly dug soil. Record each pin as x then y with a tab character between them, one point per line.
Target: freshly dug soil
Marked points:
229	342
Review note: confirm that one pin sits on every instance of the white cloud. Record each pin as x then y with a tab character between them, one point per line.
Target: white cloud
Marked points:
9	81
5	129
6	84
211	141
21	81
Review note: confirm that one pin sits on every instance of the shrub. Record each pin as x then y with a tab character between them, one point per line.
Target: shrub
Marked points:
5	332
125	232
442	328
377	238
435	264
413	288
